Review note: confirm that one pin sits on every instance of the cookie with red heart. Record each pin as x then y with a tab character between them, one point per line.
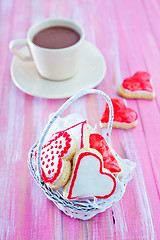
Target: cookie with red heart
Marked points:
139	86
55	159
89	178
124	117
110	160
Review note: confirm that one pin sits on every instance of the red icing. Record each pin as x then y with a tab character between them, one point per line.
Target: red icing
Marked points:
82	135
140	81
99	143
81	155
121	112
46	163
56	174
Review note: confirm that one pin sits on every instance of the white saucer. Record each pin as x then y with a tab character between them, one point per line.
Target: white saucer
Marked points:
91	72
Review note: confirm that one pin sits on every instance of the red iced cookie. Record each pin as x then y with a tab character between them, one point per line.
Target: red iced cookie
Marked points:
137	86
124	117
109	159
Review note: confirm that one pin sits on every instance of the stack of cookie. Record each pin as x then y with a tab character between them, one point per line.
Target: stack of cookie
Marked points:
76	167
81	162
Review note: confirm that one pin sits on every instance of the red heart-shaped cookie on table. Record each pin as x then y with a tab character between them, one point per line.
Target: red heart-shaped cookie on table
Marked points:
109	159
55	156
138	86
124	117
89	178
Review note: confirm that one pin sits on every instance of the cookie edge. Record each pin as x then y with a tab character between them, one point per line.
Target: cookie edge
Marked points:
135	95
120	125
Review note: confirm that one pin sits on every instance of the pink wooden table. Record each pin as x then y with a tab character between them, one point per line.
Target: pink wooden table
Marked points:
128	35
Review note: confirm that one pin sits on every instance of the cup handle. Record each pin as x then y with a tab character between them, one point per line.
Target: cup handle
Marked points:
14	44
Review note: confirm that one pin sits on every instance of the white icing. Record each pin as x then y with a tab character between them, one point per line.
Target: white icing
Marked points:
139	91
89	181
72	120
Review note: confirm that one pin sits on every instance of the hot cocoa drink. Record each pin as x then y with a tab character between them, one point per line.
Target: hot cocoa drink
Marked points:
56	37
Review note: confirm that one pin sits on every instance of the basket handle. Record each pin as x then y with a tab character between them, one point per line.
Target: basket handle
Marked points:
61	110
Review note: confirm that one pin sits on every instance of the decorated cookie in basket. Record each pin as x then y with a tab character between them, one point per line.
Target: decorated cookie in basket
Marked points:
77	168
139	86
89	177
55	159
110	160
81	132
57	153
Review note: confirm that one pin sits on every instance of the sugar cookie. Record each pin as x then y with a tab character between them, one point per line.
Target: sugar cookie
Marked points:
55	159
89	178
138	86
110	161
80	132
124	117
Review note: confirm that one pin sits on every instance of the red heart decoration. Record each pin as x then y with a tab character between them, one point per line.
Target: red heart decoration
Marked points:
109	160
52	155
140	81
89	178
122	113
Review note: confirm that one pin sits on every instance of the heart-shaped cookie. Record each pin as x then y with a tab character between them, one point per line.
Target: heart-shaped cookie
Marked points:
89	178
124	117
137	86
80	132
55	156
110	161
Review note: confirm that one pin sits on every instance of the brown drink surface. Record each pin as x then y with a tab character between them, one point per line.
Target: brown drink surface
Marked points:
56	37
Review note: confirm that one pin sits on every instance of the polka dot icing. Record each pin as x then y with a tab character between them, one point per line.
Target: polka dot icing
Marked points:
52	155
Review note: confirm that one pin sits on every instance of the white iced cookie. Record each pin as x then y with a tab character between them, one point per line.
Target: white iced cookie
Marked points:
89	178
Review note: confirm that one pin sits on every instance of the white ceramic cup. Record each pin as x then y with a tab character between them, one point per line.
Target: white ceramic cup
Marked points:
53	64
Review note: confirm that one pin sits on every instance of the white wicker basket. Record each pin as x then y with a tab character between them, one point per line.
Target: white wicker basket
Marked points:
87	208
